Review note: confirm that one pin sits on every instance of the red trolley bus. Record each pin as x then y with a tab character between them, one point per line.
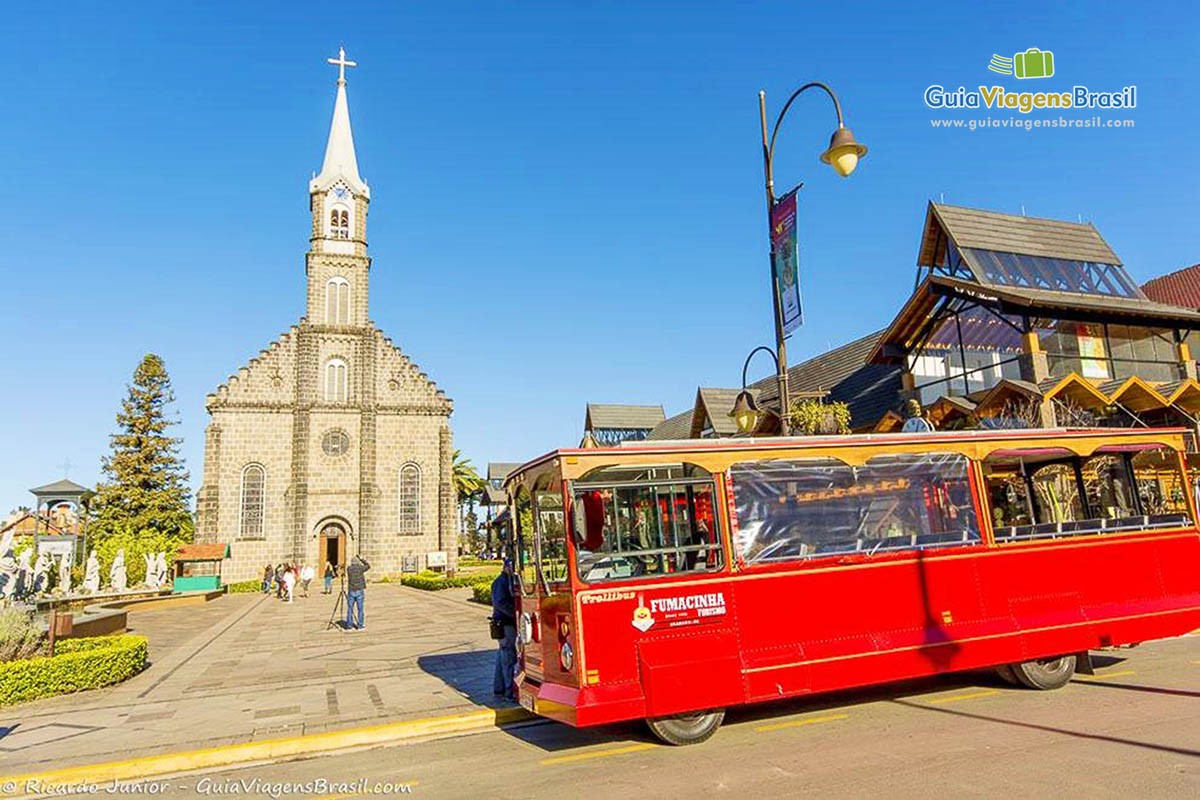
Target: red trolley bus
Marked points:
671	580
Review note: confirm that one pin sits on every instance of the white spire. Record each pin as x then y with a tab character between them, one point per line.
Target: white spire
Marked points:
340	161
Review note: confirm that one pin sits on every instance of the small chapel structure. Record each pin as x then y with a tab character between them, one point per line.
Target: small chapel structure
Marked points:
331	441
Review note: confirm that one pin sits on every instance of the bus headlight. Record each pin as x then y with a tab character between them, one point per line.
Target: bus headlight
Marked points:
566	656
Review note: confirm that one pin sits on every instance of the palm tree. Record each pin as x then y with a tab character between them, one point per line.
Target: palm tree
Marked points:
467	484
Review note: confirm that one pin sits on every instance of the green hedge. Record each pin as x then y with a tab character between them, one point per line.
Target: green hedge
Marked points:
479	562
77	664
482	593
243	587
433	582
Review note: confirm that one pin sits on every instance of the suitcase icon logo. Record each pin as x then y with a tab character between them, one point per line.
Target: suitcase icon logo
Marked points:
1033	63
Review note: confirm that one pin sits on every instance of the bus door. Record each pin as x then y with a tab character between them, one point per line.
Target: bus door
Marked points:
657	621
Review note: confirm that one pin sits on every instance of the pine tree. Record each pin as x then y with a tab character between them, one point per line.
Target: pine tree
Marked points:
144	492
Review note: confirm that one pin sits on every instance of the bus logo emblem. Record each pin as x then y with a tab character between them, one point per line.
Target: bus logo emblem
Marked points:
642	620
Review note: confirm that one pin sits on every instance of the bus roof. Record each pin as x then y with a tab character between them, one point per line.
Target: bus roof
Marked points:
665	446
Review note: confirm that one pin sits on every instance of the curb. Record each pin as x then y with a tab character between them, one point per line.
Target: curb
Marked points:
267	750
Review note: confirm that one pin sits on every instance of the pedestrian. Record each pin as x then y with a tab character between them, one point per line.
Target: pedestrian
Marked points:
356	585
504	614
306	576
266	579
279	581
328	578
289	581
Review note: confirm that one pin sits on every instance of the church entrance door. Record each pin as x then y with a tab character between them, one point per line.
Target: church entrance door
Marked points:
333	543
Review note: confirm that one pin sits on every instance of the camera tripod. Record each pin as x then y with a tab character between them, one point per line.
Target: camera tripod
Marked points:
337	616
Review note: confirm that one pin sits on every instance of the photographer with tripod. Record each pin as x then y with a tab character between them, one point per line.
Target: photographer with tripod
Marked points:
356	583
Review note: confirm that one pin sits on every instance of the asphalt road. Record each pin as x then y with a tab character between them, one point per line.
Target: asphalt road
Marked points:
1131	731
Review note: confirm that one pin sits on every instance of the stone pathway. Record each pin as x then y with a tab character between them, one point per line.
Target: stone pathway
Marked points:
247	667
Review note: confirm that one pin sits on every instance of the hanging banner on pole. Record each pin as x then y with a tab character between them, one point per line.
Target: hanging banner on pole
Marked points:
785	248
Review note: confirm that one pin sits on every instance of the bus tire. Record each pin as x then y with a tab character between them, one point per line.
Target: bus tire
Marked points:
1045	673
681	729
1005	672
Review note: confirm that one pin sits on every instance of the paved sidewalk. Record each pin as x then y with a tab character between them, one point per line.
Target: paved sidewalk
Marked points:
246	667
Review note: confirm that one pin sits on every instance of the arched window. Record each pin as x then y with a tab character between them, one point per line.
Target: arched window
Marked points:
339	223
410	499
254	480
337	301
335	381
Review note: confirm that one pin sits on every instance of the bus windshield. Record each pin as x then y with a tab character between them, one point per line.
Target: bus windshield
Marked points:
645	526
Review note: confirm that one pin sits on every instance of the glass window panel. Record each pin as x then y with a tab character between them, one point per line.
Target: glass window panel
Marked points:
1109	487
552	537
647	531
1161	487
525	561
1057	274
253	502
1056	494
796	509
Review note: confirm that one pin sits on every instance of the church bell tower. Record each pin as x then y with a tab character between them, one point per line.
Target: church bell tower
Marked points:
337	261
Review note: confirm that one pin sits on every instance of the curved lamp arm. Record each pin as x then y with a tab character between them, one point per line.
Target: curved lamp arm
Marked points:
746	365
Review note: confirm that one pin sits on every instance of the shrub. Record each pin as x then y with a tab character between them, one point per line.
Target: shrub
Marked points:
244	587
469	561
20	636
811	417
433	582
78	664
482	593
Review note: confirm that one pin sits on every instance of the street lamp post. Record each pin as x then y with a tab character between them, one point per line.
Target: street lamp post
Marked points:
843	155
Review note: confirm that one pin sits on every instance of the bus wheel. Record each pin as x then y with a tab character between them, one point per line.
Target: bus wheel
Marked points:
691	728
1005	672
1045	673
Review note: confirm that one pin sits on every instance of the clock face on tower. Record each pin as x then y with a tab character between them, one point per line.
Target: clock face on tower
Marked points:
341	192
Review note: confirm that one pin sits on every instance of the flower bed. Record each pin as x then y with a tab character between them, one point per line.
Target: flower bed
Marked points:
432	581
244	587
77	664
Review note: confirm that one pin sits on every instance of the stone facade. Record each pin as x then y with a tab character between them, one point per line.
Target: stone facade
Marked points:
327	416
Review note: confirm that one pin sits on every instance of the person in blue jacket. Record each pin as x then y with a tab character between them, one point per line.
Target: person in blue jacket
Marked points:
504	611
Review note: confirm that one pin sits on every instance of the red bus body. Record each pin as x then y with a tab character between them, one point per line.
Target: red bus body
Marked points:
751	633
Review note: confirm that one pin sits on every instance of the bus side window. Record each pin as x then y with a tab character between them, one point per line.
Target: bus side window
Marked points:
645	531
1161	487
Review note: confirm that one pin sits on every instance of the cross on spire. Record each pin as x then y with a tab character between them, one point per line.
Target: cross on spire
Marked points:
342	63
66	467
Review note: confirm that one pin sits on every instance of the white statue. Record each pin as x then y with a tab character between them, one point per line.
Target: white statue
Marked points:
41	573
161	568
64	574
148	581
25	575
91	575
116	572
9	569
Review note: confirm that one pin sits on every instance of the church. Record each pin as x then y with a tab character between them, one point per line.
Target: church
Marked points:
330	442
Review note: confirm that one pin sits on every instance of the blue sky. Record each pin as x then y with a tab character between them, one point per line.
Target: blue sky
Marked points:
566	198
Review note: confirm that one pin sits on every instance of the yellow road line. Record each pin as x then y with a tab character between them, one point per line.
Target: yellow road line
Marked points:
797	723
614	751
955	698
273	749
1099	677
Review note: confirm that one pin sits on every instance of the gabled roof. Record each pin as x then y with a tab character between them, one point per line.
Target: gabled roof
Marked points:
714	405
902	334
676	427
619	416
493	496
64	486
25	523
214	551
871	390
498	470
1178	288
1009	233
